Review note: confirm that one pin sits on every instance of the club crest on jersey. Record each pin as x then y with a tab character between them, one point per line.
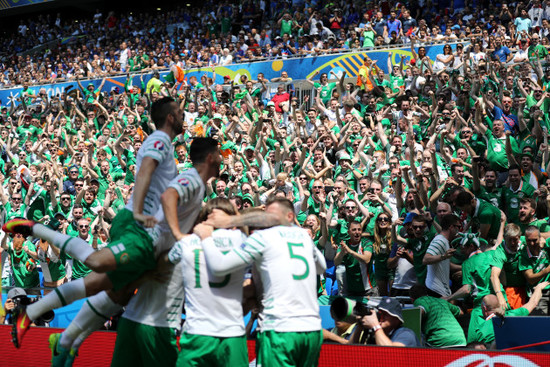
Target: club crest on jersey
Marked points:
159	145
183	181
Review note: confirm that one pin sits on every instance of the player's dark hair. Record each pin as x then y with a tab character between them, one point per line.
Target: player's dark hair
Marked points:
200	148
160	110
216	203
449	220
283	202
417	291
464	198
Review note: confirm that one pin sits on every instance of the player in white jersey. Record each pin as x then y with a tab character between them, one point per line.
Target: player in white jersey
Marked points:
214	332
130	252
145	333
288	263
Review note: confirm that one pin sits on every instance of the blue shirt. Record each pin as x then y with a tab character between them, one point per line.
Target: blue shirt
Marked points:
502	53
394	25
405	336
510	121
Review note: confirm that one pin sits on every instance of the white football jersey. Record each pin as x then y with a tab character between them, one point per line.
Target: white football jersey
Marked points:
191	191
159	304
287	261
159	147
212	304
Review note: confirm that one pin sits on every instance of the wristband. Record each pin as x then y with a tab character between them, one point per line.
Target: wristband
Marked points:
376	328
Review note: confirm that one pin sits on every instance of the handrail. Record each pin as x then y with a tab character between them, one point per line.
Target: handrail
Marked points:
287	57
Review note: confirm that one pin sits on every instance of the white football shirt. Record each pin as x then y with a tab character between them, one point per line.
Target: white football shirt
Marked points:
288	263
159	147
212	303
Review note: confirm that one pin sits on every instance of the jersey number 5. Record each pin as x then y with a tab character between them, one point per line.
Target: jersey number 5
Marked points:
298	257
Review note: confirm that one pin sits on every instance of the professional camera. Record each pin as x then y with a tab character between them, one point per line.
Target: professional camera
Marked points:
25	301
344	309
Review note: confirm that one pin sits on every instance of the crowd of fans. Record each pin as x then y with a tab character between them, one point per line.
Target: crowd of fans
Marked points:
433	174
50	49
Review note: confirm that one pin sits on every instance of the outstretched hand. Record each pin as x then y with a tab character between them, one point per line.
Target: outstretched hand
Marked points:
219	219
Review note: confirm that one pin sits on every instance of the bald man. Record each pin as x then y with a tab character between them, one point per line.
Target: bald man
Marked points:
491	307
443	209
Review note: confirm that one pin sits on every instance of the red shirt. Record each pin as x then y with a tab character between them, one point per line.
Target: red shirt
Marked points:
278	98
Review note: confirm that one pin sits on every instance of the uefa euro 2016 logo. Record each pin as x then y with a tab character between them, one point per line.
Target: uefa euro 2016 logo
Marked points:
483	360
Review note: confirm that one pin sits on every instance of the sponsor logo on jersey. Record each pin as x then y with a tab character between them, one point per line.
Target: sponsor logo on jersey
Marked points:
183	181
159	145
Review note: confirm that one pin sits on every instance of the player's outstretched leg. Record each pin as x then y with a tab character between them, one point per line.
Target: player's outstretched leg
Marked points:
94	313
74	246
59	354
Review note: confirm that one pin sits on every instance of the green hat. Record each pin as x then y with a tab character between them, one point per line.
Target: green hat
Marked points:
344	157
527	154
466	239
248	197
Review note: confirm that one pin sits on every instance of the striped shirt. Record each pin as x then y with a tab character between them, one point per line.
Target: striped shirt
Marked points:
437	278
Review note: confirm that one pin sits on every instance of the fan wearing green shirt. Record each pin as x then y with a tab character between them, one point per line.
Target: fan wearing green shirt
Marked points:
512	194
534	262
485	218
423	236
89	93
476	280
439	324
526	216
356	256
505	266
27	131
24	270
488	192
324	85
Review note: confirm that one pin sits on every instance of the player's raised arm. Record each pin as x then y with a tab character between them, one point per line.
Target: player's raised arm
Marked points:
219	219
169	201
218	263
143	180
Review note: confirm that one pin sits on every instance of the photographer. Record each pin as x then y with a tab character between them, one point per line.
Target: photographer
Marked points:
14	296
18	296
385	327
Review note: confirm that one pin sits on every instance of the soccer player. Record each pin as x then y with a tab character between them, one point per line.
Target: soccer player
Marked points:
288	263
131	250
214	332
146	333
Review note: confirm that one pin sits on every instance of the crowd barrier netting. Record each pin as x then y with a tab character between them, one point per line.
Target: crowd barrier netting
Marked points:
97	351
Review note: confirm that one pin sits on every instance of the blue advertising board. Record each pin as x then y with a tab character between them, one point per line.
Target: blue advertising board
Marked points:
297	68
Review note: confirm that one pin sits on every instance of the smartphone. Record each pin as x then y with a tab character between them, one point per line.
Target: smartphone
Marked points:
329	189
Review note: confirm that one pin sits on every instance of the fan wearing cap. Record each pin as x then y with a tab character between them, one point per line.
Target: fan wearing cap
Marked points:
14	295
386	326
476	280
89	93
